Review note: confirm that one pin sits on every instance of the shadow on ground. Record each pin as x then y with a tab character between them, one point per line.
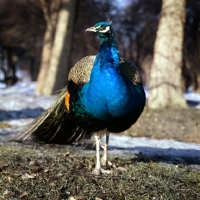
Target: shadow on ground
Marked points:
20	114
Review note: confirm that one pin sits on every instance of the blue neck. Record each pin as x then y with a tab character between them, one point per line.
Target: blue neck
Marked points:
103	96
108	55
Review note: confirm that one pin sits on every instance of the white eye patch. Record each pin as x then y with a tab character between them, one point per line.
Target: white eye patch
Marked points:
98	27
105	30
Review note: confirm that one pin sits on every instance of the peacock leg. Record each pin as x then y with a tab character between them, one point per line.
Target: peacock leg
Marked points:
97	170
104	159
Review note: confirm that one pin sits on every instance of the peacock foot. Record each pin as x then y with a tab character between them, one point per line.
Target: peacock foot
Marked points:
103	171
96	172
105	162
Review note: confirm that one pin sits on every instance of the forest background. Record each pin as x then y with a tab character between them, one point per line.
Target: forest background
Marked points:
44	39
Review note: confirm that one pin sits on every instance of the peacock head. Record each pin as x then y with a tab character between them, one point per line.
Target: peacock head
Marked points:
103	29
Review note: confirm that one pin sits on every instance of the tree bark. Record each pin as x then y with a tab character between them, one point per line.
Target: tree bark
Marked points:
51	19
60	53
198	68
165	75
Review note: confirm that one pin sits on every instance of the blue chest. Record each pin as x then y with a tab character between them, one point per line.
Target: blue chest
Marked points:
108	95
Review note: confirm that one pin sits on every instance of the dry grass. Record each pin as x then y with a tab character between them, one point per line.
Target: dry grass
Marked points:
43	173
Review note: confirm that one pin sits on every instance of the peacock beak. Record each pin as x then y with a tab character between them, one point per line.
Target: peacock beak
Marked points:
93	29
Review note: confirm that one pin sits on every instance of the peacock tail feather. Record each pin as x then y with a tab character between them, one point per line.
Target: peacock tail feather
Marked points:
54	125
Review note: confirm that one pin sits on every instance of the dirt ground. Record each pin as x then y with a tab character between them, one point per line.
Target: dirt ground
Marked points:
52	172
178	124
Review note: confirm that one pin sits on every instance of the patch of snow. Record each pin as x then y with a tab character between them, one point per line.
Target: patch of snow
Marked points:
169	150
130	142
192	97
19	122
19	88
2	86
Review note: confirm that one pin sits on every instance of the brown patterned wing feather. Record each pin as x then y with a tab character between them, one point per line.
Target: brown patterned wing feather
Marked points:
81	71
130	71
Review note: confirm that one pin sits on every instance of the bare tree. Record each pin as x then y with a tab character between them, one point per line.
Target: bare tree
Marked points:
165	75
51	19
191	59
56	53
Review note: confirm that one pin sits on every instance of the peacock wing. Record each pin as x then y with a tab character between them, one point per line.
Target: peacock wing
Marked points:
130	71
80	73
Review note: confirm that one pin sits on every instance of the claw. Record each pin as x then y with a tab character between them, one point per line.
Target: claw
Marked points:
103	171
96	172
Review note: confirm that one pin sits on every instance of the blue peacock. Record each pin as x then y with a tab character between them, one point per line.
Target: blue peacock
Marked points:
104	94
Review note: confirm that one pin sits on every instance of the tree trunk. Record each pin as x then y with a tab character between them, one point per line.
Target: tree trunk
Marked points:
165	75
51	19
198	68
60	53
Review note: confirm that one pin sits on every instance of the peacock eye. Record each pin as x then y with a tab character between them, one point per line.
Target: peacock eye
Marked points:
103	27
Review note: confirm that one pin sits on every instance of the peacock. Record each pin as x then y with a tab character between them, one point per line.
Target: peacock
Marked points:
104	94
